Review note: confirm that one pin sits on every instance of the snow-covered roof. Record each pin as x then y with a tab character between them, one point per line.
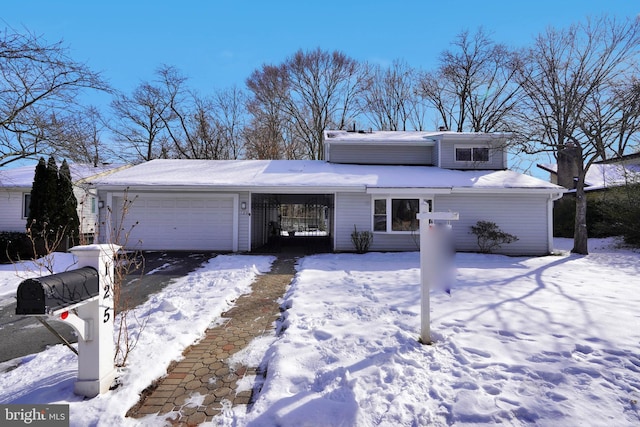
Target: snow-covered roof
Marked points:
23	176
603	175
289	175
399	137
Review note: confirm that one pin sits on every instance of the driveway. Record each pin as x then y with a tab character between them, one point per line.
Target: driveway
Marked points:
24	335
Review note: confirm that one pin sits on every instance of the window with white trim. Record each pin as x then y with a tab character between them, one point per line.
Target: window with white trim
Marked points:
472	154
396	215
26	202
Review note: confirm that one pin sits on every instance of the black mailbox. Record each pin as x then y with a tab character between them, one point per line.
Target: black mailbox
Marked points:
47	294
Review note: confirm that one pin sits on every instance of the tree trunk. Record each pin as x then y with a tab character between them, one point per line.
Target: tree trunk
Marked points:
580	237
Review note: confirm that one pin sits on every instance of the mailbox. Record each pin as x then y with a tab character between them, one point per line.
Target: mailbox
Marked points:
48	294
83	299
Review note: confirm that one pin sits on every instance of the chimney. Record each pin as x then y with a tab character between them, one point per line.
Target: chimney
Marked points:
568	166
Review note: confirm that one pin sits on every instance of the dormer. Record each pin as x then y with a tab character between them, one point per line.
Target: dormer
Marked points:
380	148
448	150
473	151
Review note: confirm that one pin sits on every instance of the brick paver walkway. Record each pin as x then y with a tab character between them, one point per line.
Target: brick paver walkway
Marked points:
204	375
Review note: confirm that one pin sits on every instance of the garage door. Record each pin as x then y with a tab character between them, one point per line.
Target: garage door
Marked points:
179	223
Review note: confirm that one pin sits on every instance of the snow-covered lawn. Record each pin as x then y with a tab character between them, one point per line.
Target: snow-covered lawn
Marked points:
521	341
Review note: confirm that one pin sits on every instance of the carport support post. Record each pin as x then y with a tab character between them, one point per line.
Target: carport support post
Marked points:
96	370
430	244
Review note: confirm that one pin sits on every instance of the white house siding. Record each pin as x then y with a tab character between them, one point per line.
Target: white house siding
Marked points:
166	221
11	209
87	200
355	209
352	209
525	216
11	218
382	155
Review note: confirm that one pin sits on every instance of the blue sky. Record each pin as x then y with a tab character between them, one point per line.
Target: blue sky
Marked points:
217	44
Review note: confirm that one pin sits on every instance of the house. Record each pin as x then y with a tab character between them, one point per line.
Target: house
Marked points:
370	181
603	174
15	189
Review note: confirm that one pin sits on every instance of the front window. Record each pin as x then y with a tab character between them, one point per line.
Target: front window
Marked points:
395	215
403	217
380	215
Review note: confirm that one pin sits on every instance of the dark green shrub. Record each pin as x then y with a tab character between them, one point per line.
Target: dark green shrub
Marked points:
619	214
564	215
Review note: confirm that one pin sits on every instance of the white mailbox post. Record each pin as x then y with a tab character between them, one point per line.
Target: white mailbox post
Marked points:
82	298
96	370
432	254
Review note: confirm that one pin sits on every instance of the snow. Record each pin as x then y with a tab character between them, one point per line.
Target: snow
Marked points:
605	175
549	341
411	137
238	174
12	274
23	176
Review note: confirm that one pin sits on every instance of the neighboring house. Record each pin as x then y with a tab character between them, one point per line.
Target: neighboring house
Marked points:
601	181
375	181
604	174
15	193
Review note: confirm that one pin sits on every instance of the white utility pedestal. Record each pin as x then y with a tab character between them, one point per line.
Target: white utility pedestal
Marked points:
431	256
96	349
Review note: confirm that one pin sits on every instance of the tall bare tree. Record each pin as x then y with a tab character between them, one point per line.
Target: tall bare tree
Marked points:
308	93
82	138
200	127
138	122
474	87
266	136
391	101
612	118
39	88
230	115
569	78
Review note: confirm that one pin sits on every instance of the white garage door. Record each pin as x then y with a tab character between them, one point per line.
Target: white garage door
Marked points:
179	223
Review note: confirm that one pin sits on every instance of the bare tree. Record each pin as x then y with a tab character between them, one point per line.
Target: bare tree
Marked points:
474	87
39	89
138	122
266	137
612	118
81	138
200	127
230	115
391	101
568	77
322	87
308	93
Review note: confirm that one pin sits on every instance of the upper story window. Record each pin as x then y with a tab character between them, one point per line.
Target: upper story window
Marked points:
395	215
472	154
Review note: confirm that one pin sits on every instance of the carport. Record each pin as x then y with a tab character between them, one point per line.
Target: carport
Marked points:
292	221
